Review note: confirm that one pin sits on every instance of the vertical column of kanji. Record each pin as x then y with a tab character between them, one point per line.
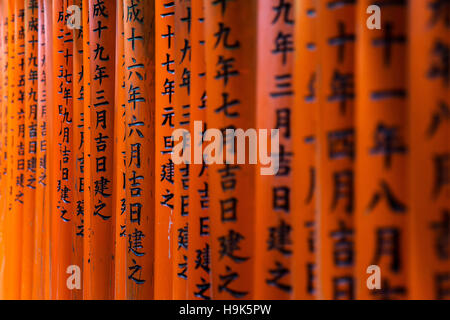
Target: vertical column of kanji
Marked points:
47	63
63	217
12	232
6	121
430	149
4	140
30	114
381	166
87	292
275	92
120	268
139	85
230	54
2	107
42	200
78	141
305	188
182	67
164	125
335	153
199	262
2	111
5	144
102	25
19	147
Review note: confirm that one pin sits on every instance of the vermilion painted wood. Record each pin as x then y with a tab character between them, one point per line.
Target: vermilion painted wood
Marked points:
305	184
199	275
4	138
87	291
63	184
401	150
140	153
14	238
182	67
164	106
381	165
9	240
102	78
30	144
275	92
335	151
41	263
120	203
230	34
51	145
78	150
429	106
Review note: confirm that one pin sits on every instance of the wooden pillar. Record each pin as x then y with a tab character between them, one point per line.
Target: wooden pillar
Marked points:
305	182
51	144
102	19
335	154
382	147
139	51
164	125
4	139
63	186
87	278
30	144
78	146
120	203
9	232
16	136
429	130
181	174
230	54
199	248
41	261
275	92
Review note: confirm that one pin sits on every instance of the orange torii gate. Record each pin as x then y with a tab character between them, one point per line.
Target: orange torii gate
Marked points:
93	204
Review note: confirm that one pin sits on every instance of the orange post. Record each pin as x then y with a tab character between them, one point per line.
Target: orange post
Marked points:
41	263
9	232
49	94
30	114
305	184
16	136
87	292
120	203
164	125
140	89
102	19
230	54
2	107
180	174
382	145
4	139
429	131
199	248
335	151
275	93
63	185
78	146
